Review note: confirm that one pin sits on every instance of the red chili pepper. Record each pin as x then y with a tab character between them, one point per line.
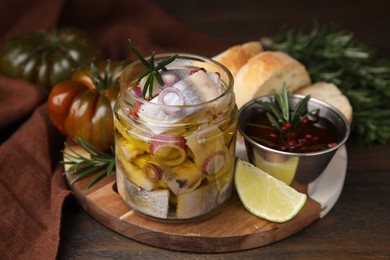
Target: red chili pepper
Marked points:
272	136
286	126
134	111
196	70
291	143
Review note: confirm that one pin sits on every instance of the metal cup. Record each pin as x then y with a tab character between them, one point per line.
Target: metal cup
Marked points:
296	169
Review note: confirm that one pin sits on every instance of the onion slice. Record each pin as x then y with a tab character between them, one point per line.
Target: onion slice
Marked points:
153	172
214	163
169	78
169	150
171	96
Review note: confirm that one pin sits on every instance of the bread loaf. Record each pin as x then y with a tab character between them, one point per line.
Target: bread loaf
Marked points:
331	94
257	72
267	71
236	56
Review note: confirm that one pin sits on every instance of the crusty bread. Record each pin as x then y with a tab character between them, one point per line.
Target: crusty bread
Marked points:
266	71
236	56
257	72
331	94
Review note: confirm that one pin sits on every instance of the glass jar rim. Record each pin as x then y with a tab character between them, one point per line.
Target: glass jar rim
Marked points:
228	82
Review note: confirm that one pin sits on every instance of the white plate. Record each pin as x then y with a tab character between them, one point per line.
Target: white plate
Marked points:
327	188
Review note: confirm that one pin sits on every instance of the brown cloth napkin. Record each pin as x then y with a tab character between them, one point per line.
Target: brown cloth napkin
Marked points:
32	187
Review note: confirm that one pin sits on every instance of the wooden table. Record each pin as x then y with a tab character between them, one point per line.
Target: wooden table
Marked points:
359	224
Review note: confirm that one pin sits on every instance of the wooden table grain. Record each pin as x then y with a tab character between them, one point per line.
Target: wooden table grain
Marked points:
359	224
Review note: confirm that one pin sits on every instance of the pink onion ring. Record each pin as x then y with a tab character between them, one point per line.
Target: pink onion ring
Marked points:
179	101
169	150
214	163
153	172
174	97
169	78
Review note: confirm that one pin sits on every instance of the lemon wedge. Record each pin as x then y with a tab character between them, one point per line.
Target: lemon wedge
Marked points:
265	196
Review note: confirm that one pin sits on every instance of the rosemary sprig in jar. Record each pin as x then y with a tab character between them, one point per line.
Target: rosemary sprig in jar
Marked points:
153	70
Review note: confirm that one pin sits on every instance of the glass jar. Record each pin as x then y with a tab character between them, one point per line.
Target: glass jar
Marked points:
175	162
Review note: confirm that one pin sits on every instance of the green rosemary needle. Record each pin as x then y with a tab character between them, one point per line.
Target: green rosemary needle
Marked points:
280	114
153	70
97	163
333	55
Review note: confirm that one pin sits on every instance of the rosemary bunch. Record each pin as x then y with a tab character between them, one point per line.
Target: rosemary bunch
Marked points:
331	54
97	162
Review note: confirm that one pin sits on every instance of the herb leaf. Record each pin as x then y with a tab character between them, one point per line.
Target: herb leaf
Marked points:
300	112
99	163
282	101
153	71
280	113
332	54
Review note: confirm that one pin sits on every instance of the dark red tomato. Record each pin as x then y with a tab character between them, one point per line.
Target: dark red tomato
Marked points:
83	107
47	57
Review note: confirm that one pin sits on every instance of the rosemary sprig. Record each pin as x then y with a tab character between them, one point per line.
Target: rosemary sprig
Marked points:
281	115
99	163
333	55
153	70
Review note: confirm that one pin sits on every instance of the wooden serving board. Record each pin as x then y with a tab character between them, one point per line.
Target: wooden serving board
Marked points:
232	229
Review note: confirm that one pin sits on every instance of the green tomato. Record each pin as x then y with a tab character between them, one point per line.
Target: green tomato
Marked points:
47	57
